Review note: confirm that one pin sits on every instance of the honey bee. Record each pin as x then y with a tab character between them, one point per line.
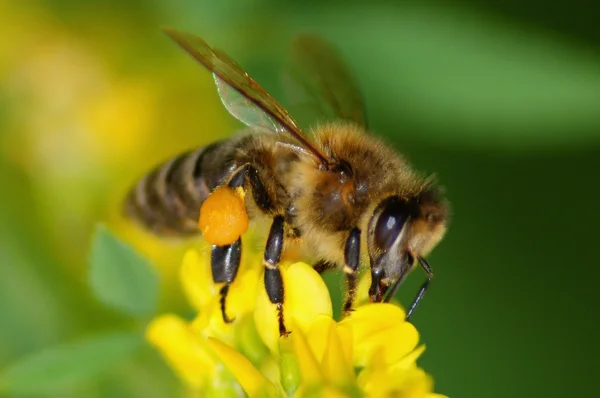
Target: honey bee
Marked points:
344	194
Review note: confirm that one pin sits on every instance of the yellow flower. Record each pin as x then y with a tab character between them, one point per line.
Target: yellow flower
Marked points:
371	353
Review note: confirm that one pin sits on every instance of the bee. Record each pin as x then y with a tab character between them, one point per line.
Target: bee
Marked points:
344	194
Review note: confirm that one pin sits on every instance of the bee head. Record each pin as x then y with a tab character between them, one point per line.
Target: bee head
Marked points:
404	230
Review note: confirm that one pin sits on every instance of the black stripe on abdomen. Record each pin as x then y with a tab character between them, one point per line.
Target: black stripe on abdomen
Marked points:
168	199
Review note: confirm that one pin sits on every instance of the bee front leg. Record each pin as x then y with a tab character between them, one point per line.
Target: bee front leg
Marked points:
273	279
352	260
225	262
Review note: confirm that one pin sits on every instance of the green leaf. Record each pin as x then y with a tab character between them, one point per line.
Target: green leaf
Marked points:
67	365
121	277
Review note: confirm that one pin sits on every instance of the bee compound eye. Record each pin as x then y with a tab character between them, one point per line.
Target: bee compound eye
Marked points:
391	221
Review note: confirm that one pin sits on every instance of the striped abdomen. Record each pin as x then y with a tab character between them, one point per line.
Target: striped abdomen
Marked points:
167	200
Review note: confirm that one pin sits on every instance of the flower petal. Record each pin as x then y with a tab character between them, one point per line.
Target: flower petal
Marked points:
318	334
345	336
376	326
196	279
248	341
209	322
375	368
241	299
251	380
337	367
408	361
398	341
362	290
324	391
187	353
306	297
372	317
378	380
416	383
265	318
307	362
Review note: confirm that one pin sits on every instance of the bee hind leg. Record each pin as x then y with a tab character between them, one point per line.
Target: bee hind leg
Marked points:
225	262
351	260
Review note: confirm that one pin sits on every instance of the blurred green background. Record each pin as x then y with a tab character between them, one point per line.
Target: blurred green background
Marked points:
500	99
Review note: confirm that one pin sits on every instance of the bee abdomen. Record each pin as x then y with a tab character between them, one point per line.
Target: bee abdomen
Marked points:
167	200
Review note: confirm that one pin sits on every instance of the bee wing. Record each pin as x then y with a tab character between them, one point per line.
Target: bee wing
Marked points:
243	109
318	82
243	97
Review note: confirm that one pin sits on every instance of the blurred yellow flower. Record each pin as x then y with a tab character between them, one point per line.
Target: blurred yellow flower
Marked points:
82	128
371	353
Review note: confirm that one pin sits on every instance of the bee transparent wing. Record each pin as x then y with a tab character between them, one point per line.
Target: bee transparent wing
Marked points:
249	93
319	83
243	109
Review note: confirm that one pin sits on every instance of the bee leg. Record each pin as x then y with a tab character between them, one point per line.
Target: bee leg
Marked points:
274	247
223	292
259	192
427	268
352	260
273	280
225	262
